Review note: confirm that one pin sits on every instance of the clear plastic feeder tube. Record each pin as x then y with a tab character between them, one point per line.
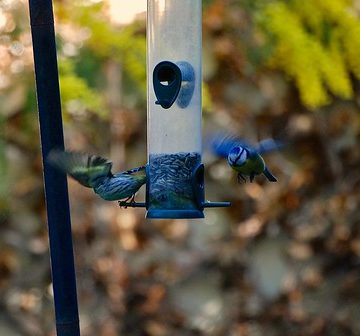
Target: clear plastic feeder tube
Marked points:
174	106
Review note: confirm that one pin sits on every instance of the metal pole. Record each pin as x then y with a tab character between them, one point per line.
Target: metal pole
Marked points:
57	202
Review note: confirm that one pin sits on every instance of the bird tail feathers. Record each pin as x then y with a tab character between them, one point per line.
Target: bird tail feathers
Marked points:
269	176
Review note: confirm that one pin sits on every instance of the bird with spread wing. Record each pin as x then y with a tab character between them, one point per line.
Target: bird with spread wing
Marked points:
244	158
95	172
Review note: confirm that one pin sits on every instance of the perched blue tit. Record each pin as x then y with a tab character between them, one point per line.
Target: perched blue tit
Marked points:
245	159
95	172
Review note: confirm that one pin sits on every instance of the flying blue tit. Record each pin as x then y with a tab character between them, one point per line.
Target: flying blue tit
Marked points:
245	159
95	172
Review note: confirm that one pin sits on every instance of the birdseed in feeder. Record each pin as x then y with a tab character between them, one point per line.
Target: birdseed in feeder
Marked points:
171	180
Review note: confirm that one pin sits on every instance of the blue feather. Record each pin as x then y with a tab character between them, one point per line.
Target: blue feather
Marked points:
221	144
269	145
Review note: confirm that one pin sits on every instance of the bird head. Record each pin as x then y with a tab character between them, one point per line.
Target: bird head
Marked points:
237	156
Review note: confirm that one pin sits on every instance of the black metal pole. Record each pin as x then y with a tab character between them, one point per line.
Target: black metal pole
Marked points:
56	192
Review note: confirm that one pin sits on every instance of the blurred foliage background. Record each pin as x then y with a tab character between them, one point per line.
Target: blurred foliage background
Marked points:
283	260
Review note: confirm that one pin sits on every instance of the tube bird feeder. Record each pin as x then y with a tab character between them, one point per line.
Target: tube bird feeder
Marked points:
175	187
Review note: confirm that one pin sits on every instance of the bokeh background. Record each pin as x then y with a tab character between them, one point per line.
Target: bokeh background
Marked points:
283	260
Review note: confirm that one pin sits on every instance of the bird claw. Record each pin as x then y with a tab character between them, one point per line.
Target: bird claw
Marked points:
125	204
241	178
122	204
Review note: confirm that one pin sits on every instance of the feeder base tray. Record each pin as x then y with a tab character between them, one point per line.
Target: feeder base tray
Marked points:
174	214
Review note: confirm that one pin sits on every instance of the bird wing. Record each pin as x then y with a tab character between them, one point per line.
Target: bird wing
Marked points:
269	145
221	143
82	167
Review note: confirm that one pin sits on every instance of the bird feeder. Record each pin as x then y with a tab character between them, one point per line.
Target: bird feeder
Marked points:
175	187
